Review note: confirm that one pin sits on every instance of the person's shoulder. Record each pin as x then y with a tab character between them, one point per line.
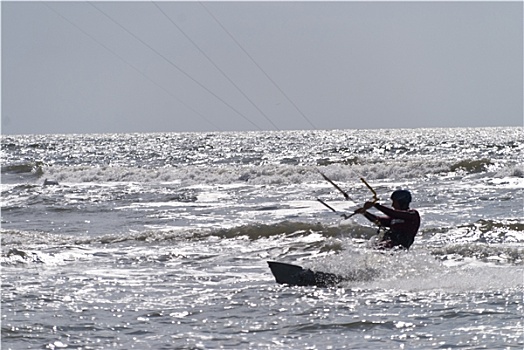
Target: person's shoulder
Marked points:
414	212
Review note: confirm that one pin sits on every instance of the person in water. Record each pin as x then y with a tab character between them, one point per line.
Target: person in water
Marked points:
403	222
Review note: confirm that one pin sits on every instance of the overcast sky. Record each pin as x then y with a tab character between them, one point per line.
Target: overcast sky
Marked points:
78	67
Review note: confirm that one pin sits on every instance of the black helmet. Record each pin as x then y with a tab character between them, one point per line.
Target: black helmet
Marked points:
401	196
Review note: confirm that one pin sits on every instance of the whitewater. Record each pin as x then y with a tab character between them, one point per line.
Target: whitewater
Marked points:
161	240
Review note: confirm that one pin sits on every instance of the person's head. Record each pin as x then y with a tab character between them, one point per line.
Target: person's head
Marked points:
401	199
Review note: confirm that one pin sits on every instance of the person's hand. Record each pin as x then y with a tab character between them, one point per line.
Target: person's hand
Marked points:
368	205
363	210
360	211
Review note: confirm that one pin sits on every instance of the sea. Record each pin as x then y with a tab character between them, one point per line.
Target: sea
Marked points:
161	240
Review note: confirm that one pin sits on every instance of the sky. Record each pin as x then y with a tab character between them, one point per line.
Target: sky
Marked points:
120	67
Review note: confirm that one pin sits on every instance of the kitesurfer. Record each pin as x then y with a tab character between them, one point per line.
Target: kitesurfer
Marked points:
403	222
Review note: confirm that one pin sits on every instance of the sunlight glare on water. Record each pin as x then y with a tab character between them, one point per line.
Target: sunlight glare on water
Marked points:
161	241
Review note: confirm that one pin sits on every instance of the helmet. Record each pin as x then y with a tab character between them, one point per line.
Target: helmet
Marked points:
401	196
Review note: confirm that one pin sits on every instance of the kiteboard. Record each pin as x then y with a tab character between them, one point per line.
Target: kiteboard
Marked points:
295	275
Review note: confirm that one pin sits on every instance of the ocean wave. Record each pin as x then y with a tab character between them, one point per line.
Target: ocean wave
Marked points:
35	168
313	148
472	165
17	256
276	174
285	229
516	170
483	231
493	253
281	240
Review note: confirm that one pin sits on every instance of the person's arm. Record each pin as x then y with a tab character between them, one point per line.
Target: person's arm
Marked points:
369	216
379	220
395	214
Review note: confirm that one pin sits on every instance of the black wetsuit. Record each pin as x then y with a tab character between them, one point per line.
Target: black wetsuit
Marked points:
403	225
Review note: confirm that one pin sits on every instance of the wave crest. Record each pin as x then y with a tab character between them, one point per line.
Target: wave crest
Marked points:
472	165
482	252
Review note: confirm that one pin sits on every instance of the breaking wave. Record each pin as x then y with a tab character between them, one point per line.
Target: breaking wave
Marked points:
483	231
265	175
472	165
493	253
485	240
